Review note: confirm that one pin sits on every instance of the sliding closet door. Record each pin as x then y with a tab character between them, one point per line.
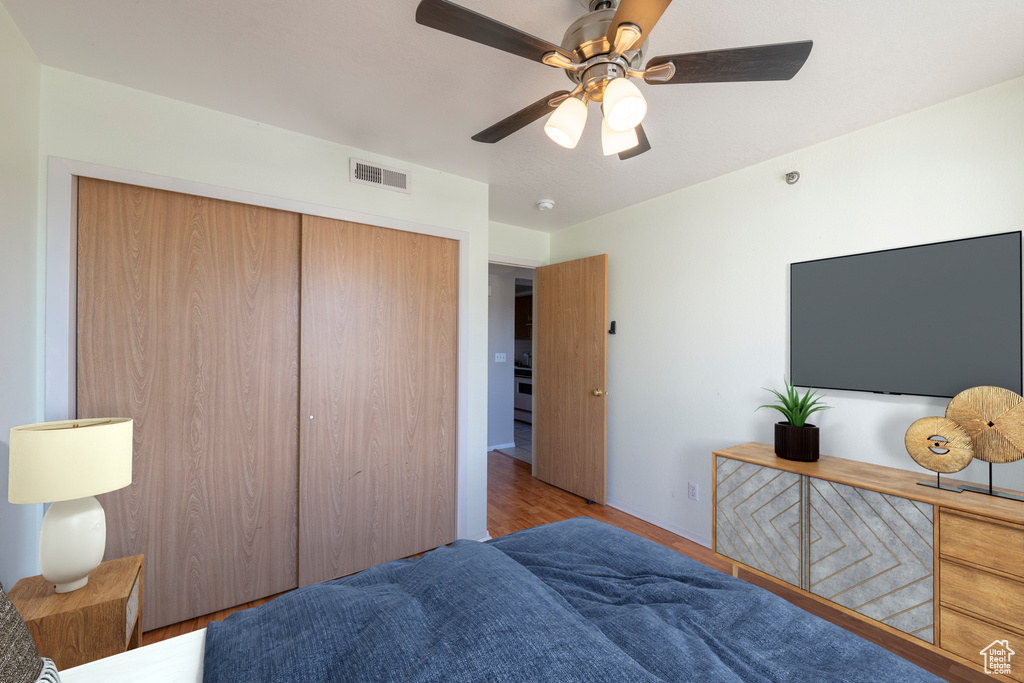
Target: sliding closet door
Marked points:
378	397
187	320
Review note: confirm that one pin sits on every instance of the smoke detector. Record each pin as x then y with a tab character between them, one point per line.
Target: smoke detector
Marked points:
545	204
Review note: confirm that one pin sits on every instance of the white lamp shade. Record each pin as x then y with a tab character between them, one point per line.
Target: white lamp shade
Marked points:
54	461
624	105
613	142
565	125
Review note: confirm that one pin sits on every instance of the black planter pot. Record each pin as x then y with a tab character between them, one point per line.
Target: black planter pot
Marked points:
796	443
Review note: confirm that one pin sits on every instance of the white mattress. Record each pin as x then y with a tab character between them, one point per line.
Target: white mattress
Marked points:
175	660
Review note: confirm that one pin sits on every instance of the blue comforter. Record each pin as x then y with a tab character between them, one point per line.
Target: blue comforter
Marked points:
577	600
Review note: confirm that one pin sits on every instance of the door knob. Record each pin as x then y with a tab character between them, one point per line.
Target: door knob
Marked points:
597	392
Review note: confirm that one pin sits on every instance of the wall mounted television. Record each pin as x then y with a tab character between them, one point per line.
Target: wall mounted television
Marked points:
928	320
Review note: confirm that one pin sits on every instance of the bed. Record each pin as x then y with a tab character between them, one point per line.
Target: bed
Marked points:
577	600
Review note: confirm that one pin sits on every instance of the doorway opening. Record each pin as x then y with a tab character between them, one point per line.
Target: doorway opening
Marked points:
569	371
511	310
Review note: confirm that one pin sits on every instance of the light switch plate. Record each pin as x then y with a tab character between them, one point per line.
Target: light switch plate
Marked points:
499	358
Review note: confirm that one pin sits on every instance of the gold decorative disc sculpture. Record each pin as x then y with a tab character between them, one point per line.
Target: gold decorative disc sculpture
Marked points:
939	444
994	419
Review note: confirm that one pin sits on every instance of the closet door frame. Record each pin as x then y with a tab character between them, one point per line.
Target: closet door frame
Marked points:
60	339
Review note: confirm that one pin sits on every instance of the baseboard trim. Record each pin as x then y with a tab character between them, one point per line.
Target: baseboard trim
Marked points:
500	446
677	530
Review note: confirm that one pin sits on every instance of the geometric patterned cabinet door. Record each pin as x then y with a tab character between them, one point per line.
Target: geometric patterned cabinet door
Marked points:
873	553
757	517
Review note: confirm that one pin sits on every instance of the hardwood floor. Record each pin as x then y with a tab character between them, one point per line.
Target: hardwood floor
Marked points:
515	501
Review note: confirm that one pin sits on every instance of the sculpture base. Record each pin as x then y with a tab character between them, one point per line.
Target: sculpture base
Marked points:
937	484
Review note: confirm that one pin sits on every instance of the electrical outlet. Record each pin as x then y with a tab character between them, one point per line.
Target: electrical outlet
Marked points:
694	491
499	358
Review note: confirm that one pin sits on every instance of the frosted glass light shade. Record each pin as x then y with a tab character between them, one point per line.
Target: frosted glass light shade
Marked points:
53	461
613	142
565	125
624	105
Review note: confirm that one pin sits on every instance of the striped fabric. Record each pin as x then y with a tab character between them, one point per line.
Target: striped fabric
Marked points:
49	673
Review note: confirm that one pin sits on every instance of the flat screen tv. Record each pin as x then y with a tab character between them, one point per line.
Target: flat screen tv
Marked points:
930	320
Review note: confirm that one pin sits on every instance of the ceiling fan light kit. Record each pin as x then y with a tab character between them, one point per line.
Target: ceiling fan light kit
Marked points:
565	126
600	52
624	105
614	141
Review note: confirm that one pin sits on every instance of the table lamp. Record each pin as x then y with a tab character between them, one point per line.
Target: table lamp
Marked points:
67	463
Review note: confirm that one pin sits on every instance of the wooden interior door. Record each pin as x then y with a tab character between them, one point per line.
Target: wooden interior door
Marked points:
187	323
378	397
570	376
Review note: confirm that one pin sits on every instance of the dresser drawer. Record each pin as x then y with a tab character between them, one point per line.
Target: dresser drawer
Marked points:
967	637
989	595
982	541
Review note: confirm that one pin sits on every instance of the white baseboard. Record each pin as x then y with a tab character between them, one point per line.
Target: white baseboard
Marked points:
501	445
678	531
485	536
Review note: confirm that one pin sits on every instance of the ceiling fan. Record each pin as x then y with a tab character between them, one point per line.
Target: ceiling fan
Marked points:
600	53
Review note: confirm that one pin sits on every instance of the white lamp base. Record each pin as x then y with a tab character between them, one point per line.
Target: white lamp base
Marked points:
71	542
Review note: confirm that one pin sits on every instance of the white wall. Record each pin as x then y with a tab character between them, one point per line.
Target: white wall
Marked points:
501	316
86	119
698	282
522	246
20	300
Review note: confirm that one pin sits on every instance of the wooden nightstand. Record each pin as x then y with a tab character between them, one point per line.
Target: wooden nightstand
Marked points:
101	619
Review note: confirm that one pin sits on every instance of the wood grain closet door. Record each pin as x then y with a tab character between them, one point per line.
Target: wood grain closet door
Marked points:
378	378
187	322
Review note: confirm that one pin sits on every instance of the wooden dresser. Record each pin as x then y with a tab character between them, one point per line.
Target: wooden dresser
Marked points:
943	570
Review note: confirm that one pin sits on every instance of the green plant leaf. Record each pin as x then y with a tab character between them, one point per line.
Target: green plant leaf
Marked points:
793	406
778	408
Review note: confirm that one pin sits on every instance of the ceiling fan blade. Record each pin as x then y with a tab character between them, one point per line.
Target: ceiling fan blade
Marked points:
778	62
643	13
502	129
459	21
642	145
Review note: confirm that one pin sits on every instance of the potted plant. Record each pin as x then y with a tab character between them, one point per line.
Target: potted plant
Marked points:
795	438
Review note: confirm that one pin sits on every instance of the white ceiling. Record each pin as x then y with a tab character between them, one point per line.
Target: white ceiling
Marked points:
367	75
